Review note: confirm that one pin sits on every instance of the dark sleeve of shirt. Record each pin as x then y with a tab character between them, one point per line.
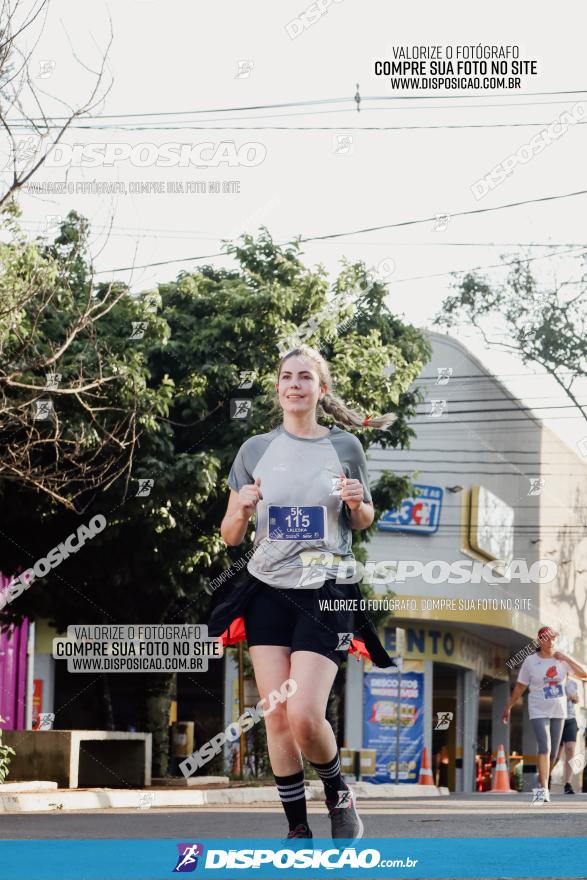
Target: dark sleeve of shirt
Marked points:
352	456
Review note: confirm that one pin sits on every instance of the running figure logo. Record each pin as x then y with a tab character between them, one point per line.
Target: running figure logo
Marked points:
577	762
444	374
437	408
138	329
187	859
343	799
314	568
146	800
536	486
336	485
46	720
443	720
240	409
247	377
43	410
344	641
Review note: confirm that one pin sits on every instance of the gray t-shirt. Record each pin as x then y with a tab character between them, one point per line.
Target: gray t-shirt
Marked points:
302	526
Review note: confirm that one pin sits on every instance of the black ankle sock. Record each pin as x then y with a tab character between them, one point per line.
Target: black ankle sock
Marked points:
331	777
293	798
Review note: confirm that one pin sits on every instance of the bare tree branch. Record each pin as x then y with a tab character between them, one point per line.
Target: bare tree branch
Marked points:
43	127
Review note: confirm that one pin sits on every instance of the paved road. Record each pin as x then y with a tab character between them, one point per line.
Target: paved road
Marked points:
457	816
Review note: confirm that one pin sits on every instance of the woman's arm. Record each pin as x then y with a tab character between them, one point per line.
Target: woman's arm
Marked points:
578	671
516	694
362	516
241	507
360	512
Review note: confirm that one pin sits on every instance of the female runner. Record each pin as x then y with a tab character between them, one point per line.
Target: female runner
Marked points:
308	486
545	673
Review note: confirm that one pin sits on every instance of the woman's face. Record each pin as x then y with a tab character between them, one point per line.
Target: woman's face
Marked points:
299	386
548	640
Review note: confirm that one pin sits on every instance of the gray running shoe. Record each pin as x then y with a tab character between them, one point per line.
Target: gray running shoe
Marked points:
344	819
539	796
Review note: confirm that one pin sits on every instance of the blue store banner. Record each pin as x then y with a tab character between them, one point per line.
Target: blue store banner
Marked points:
420	514
380	723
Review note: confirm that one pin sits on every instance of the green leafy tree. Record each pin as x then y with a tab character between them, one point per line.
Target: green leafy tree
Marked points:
158	553
5	756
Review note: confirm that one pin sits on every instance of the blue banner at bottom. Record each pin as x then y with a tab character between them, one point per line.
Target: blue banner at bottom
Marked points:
221	858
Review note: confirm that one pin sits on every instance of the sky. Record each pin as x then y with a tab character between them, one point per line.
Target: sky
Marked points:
329	168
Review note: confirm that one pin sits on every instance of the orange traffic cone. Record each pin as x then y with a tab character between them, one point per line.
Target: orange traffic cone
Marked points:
426	777
501	780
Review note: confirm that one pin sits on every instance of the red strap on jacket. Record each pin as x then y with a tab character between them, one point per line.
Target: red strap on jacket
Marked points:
235	632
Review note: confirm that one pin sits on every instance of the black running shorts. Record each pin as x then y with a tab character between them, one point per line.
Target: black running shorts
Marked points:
570	731
295	619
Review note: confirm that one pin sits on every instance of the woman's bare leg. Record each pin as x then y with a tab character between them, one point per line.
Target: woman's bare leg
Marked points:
543	770
569	749
306	709
272	667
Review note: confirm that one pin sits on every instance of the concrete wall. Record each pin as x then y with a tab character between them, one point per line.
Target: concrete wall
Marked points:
471	449
563	538
487	437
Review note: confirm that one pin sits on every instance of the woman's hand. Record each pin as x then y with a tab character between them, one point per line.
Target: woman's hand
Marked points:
249	496
351	492
577	670
506	715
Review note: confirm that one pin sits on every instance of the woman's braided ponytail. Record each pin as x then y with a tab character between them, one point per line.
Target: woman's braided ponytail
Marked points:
330	403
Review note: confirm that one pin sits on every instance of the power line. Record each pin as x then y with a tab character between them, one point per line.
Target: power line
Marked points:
439	126
534	463
401	223
502	264
516	409
415	450
187	233
492	421
539	458
460	450
492	376
311	103
503	399
458	471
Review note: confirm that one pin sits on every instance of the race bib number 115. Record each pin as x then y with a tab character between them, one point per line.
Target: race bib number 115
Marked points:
296	523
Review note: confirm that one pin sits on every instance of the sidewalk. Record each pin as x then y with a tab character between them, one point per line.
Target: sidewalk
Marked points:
46	797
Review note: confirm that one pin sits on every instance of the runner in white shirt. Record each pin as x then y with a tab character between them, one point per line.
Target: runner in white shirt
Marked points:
545	673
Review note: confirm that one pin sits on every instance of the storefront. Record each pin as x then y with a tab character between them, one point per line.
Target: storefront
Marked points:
444	672
475	510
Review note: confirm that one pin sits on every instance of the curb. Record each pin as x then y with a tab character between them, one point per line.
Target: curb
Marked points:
27	786
143	799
